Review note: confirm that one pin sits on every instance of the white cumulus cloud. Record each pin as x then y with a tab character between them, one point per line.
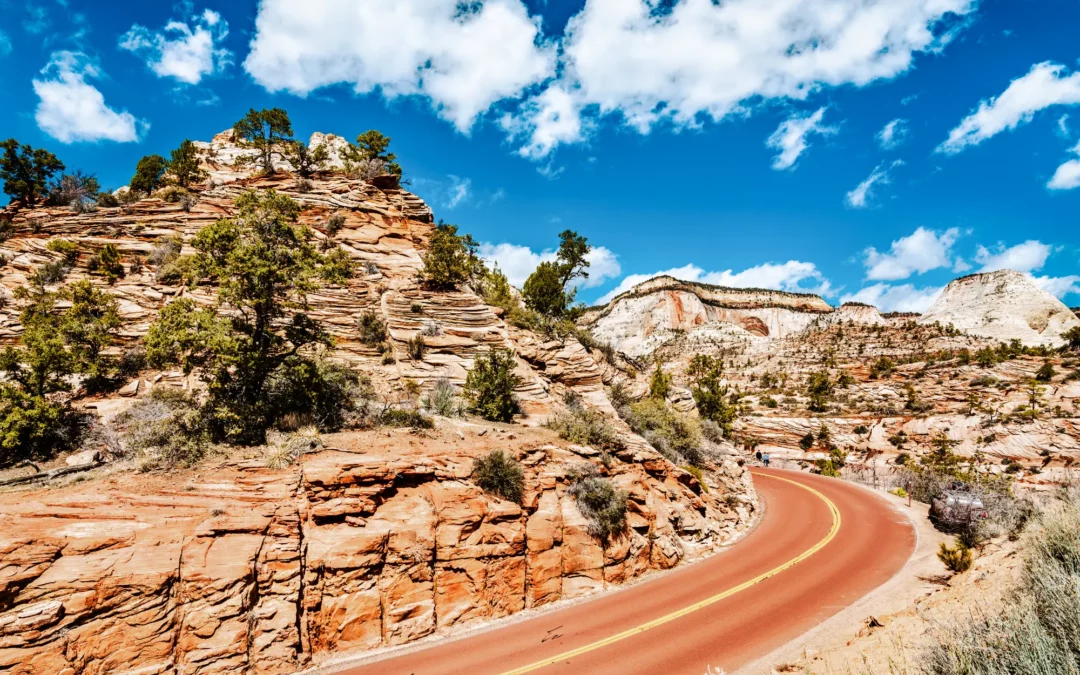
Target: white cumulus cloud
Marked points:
546	121
459	190
919	252
791	276
71	109
1059	287
186	49
518	262
1067	175
1046	84
648	62
902	298
892	134
464	57
1026	257
791	137
859	198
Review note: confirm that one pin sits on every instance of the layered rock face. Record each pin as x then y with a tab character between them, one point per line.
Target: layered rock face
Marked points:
1003	305
378	539
639	321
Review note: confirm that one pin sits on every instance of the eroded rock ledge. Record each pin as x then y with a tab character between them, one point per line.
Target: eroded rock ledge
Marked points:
380	541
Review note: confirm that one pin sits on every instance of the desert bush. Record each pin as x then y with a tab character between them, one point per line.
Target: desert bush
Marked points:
166	427
370	156
334	223
318	391
585	426
1072	337
166	250
106	262
183	165
284	449
442	399
172	194
602	504
490	384
807	441
1045	372
33	427
149	173
957	558
673	434
26	171
415	347
882	368
432	328
659	384
451	258
371	328
501	475
861	430
983	381
712	431
697	473
67	249
404	417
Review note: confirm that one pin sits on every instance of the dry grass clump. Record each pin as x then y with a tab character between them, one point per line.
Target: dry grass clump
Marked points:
603	504
501	475
584	426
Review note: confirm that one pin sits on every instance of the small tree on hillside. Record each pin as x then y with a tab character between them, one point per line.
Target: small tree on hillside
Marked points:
489	386
184	165
26	171
305	161
264	265
266	131
149	173
1072	337
451	258
545	290
371	146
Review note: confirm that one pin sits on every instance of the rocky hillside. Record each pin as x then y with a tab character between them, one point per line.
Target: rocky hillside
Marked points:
888	386
1003	305
656	311
372	538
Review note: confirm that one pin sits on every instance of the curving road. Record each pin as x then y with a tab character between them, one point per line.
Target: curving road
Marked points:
821	545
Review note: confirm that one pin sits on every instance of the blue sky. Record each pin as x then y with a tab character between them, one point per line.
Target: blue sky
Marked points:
863	149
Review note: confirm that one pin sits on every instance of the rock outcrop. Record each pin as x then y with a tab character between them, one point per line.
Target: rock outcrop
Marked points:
653	312
379	540
1004	305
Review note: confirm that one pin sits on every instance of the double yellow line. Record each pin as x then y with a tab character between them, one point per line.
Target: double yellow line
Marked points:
704	603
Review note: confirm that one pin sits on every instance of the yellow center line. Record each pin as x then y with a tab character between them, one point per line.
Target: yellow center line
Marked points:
704	603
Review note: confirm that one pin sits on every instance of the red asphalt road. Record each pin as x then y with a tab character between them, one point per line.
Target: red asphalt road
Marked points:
872	544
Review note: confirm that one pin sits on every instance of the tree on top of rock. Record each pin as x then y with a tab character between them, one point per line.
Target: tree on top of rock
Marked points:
149	174
184	165
305	161
266	131
372	146
26	171
545	290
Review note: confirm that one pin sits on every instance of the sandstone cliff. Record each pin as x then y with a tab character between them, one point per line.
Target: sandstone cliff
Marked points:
371	539
1003	305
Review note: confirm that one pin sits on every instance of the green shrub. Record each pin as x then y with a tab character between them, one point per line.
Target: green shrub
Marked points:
807	441
334	223
490	384
106	262
184	165
265	131
603	504
543	291
861	430
26	171
167	427
316	392
659	384
33	427
500	474
404	417
1045	372
697	473
451	258
584	426
769	402
956	559
1072	337
673	434
67	249
371	328
882	368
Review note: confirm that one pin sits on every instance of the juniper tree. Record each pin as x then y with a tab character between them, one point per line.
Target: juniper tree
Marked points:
266	131
26	171
305	161
264	265
372	145
184	165
149	173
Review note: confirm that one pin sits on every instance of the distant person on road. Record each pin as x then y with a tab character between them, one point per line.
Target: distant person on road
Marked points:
758	455
765	459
